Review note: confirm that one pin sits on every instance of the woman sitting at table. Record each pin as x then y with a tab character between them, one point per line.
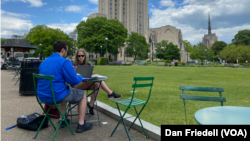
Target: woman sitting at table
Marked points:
80	59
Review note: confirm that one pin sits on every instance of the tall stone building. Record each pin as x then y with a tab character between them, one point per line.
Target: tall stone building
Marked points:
209	38
132	13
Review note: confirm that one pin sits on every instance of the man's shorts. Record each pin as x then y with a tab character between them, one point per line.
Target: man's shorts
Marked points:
75	96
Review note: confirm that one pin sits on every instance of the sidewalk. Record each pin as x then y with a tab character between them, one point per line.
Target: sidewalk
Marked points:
13	105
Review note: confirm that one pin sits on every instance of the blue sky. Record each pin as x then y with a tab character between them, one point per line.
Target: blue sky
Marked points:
191	16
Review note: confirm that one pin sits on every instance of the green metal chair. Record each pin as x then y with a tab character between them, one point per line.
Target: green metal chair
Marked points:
50	78
201	98
134	102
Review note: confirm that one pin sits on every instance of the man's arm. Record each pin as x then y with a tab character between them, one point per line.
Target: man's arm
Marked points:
70	74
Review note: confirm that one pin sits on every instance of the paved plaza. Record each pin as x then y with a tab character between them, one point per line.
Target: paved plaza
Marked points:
13	105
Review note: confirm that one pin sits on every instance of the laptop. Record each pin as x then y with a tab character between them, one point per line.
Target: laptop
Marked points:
86	72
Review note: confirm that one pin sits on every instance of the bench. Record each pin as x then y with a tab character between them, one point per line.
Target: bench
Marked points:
236	65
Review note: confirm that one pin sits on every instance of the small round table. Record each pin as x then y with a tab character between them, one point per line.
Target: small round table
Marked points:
223	115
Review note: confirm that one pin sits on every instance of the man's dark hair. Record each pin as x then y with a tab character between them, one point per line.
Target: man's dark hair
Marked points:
58	45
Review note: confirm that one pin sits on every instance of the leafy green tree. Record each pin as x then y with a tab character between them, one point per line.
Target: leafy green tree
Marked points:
46	36
217	47
242	37
3	40
187	45
137	46
233	52
92	34
167	51
199	52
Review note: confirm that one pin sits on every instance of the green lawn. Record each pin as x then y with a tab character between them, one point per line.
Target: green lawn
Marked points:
165	105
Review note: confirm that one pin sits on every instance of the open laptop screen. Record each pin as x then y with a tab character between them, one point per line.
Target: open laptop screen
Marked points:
85	71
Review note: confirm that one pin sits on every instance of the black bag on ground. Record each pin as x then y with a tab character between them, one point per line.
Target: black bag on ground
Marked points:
32	122
4	67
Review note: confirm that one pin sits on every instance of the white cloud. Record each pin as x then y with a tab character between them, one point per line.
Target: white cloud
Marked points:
34	3
11	23
227	18
168	3
94	1
84	18
74	8
64	27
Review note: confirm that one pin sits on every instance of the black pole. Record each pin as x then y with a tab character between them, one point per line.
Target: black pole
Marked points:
106	51
187	53
206	57
40	53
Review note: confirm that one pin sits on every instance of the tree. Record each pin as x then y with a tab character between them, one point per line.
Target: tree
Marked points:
3	40
137	46
242	37
217	47
167	51
199	52
46	36
92	34
233	52
187	45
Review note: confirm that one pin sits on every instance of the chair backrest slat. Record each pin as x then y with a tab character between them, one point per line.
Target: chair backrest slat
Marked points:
143	78
204	89
202	98
143	85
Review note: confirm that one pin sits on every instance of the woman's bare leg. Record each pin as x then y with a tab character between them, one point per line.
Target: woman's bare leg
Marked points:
105	88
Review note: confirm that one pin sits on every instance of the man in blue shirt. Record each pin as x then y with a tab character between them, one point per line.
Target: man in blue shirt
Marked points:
62	70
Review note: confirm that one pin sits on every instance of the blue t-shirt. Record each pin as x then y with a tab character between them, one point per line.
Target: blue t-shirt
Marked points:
62	71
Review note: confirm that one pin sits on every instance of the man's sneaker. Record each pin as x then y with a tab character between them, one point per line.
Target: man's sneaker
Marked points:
91	109
81	128
63	124
114	96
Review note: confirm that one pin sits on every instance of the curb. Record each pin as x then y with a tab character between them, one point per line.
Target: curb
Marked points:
152	131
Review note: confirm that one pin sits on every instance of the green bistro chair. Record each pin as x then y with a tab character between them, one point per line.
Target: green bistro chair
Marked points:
134	102
201	98
50	78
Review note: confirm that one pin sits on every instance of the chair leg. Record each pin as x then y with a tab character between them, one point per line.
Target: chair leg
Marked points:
139	120
120	122
46	116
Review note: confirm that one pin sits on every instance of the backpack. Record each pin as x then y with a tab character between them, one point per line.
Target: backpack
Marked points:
53	111
32	122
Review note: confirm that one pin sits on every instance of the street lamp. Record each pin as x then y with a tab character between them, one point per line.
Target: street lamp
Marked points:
219	51
106	48
206	56
187	50
101	50
127	53
40	52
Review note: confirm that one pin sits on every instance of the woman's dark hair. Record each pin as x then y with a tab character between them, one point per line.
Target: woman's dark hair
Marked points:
58	45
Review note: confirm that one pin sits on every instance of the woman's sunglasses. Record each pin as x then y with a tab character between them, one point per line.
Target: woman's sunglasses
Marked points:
80	55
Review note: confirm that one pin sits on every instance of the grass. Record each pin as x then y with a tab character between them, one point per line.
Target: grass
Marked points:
165	105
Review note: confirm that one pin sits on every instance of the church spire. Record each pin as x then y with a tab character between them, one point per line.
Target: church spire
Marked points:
209	26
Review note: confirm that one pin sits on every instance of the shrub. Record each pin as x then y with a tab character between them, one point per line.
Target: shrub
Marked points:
229	65
102	61
242	63
167	61
183	63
